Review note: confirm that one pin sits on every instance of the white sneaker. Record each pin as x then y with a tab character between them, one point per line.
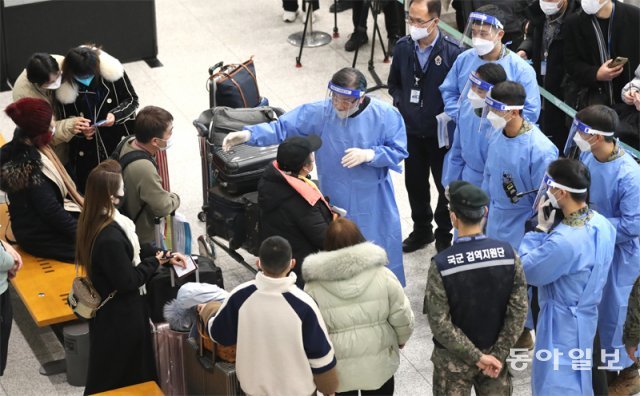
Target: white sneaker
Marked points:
314	17
289	16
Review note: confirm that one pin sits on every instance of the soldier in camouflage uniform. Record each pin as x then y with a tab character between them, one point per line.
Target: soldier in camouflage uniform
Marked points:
631	333
476	302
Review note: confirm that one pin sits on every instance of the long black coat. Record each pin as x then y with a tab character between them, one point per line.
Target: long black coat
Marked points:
121	348
109	92
581	55
39	222
284	212
552	120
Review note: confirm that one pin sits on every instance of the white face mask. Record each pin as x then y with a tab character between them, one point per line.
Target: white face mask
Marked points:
550	7
53	131
582	144
418	33
477	102
553	200
483	46
342	114
169	143
56	84
496	121
592	7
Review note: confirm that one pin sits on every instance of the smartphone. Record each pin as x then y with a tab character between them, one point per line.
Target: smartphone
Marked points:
100	123
618	61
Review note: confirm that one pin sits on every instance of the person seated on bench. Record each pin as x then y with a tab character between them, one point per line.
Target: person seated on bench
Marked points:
291	205
121	348
10	264
145	197
43	200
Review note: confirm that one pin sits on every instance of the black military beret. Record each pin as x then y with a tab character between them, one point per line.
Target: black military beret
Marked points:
465	196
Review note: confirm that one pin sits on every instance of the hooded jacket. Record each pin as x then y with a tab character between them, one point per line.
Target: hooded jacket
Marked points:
365	309
285	212
39	222
116	96
23	88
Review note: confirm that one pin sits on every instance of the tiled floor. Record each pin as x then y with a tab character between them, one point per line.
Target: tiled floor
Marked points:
193	35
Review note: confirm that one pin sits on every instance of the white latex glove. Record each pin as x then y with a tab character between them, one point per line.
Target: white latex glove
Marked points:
545	223
357	156
235	138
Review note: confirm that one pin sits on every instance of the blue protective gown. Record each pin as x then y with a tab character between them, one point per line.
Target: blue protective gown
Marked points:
466	158
516	68
526	158
569	266
615	193
365	191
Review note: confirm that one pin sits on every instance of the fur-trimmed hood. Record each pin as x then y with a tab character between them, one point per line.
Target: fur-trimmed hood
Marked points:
110	69
20	166
351	264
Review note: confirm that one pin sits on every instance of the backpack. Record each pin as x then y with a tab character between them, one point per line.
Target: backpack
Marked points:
127	160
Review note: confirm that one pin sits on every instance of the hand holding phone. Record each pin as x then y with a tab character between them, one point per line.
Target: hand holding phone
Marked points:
100	123
618	61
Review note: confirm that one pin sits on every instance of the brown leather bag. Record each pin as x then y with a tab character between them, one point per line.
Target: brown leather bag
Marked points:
234	85
226	353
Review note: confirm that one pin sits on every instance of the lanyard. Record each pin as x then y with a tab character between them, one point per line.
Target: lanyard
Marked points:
613	13
418	72
92	109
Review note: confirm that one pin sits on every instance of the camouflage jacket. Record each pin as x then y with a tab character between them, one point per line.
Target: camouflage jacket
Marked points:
459	347
631	333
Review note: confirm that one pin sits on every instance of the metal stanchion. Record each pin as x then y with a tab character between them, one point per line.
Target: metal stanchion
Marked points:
308	39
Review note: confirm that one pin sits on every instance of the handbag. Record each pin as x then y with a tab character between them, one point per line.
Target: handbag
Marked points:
84	299
234	85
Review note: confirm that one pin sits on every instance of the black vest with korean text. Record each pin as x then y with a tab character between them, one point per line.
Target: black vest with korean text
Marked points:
477	273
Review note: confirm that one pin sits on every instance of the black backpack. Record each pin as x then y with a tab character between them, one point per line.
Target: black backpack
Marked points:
125	161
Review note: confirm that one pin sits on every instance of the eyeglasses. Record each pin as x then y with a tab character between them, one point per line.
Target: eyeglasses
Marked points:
417	21
339	99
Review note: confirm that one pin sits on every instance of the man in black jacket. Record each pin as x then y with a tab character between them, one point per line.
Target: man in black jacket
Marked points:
420	65
544	45
602	31
291	205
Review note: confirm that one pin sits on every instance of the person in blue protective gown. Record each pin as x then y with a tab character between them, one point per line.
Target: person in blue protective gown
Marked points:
486	32
517	159
468	153
569	264
615	193
363	140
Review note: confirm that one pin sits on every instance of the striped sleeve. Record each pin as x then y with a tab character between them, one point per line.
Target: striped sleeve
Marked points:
223	328
315	338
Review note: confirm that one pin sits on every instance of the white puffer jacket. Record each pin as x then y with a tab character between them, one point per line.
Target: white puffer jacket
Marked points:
365	309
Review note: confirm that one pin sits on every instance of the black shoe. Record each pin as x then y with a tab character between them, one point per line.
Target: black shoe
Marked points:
356	40
416	241
341	5
391	44
442	244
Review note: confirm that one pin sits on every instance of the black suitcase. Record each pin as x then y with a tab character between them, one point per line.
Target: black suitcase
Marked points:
234	218
239	170
160	291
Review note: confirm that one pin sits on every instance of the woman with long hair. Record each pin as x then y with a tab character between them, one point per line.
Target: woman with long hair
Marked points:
367	314
107	248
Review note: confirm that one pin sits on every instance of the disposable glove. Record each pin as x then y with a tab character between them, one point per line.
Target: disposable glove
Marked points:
235	138
357	156
545	223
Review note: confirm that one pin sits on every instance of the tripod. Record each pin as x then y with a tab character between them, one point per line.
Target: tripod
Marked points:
375	7
309	39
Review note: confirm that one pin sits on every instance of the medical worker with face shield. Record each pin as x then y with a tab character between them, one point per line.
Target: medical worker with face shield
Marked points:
485	32
468	153
363	139
517	159
615	193
569	264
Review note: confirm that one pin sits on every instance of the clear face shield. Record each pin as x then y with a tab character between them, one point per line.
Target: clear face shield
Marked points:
495	116
545	191
581	138
482	33
341	102
474	92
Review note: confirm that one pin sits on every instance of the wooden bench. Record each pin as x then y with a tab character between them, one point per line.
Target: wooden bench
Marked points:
42	284
144	389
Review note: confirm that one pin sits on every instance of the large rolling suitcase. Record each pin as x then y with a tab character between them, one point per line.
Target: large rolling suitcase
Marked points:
160	289
234	218
206	376
239	170
170	348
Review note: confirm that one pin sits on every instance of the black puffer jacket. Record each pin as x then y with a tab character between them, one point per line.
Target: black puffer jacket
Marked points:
39	222
284	212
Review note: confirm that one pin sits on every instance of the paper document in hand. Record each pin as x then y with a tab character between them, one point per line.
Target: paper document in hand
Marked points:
189	268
